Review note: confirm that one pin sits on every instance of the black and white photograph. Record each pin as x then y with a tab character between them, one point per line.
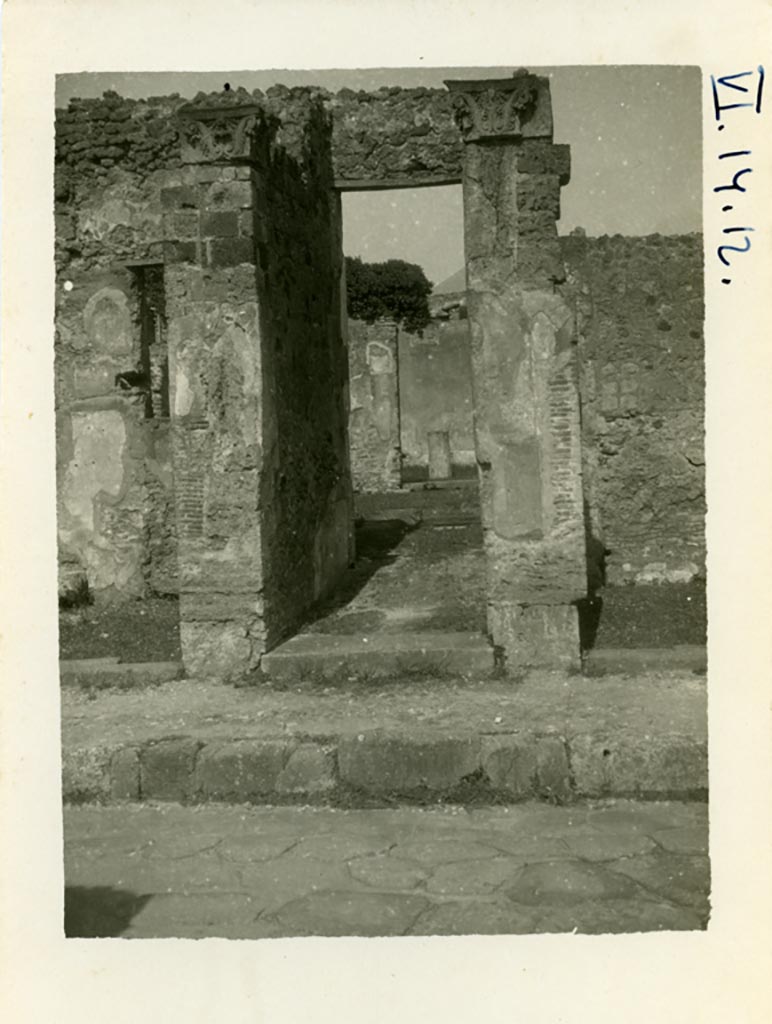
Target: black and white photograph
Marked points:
385	488
381	497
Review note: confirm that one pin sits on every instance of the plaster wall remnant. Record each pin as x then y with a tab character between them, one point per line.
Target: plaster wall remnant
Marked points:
374	422
524	369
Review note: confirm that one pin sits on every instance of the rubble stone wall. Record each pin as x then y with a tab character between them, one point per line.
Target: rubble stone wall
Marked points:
114	473
640	309
306	498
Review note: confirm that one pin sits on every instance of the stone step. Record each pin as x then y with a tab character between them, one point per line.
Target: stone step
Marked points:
379	656
111	673
632	660
553	737
430	501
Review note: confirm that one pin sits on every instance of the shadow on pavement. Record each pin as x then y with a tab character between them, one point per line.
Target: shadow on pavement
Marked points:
99	912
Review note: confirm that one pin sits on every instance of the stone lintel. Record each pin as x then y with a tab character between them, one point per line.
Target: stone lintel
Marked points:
492	109
412	180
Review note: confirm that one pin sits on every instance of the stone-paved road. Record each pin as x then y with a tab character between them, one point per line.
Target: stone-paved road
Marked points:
237	872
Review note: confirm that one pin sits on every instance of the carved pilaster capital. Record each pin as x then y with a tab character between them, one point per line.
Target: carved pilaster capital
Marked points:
219	128
502	108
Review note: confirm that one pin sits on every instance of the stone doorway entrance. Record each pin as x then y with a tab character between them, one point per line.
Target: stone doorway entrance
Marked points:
260	376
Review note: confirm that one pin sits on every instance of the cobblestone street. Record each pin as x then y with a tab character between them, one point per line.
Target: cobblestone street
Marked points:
259	872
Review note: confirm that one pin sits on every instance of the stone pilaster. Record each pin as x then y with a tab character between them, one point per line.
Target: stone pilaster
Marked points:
259	375
524	369
215	384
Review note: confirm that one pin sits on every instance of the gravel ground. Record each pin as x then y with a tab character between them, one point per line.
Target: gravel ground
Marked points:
146	630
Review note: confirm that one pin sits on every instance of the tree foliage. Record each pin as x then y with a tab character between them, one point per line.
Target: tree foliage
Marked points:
394	290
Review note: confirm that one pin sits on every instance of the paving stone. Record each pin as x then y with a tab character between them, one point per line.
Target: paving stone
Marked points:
341	847
691	839
142	874
171	916
625	815
275	882
608	846
472	878
531	849
483	917
443	850
321	871
387	872
683	879
253	847
566	882
345	913
598	917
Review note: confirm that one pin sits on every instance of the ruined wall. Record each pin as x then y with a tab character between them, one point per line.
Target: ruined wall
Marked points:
113	462
394	138
307	530
640	311
435	391
374	418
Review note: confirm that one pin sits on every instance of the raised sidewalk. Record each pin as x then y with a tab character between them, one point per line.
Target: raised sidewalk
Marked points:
552	737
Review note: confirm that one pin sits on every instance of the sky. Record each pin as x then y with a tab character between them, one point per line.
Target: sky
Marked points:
634	131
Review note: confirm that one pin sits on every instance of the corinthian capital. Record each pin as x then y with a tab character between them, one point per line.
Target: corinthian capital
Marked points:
219	128
502	108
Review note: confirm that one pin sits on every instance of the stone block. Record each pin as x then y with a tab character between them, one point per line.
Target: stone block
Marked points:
179	197
510	763
552	769
229	195
310	770
243	770
639	765
379	763
86	774
181	252
539	636
539	192
542	157
221	649
222	223
124	774
166	769
230	252
181	225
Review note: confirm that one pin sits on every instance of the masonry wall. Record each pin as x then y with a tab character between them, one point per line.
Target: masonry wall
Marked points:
115	495
640	309
374	418
306	498
435	389
394	138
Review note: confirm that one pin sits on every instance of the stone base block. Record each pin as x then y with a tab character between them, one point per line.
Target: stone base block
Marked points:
536	636
218	649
